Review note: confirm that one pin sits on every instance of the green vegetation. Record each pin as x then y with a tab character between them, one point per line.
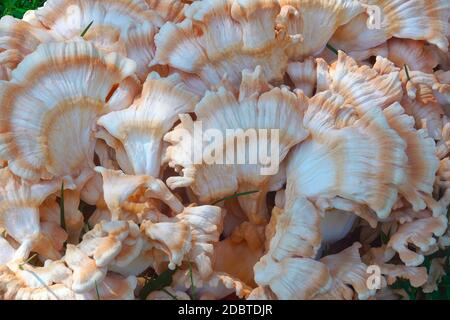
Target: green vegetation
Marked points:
236	195
17	8
156	283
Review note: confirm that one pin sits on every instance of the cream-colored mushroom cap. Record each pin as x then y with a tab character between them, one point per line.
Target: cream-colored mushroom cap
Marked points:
125	26
305	17
50	106
260	113
223	37
141	127
408	19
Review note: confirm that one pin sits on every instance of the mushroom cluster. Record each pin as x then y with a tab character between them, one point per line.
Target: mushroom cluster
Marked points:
100	102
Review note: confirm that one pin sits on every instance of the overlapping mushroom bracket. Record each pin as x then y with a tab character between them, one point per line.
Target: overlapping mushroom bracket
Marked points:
99	194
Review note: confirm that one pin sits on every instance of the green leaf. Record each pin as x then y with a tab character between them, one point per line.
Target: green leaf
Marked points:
86	29
27	261
158	283
333	49
407	72
236	195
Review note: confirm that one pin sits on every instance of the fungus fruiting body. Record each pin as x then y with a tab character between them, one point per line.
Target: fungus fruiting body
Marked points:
251	149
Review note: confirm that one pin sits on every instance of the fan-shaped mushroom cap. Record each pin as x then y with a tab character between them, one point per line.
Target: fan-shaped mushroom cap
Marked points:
18	39
347	271
417	20
422	161
304	75
131	245
19	210
380	256
141	127
419	233
224	37
293	240
278	113
113	244
174	239
416	55
91	94
169	10
297	230
338	151
363	87
50	106
297	233
427	88
188	236
134	259
141	48
53	272
293	278
305	17
125	26
70	17
206	226
104	245
427	116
